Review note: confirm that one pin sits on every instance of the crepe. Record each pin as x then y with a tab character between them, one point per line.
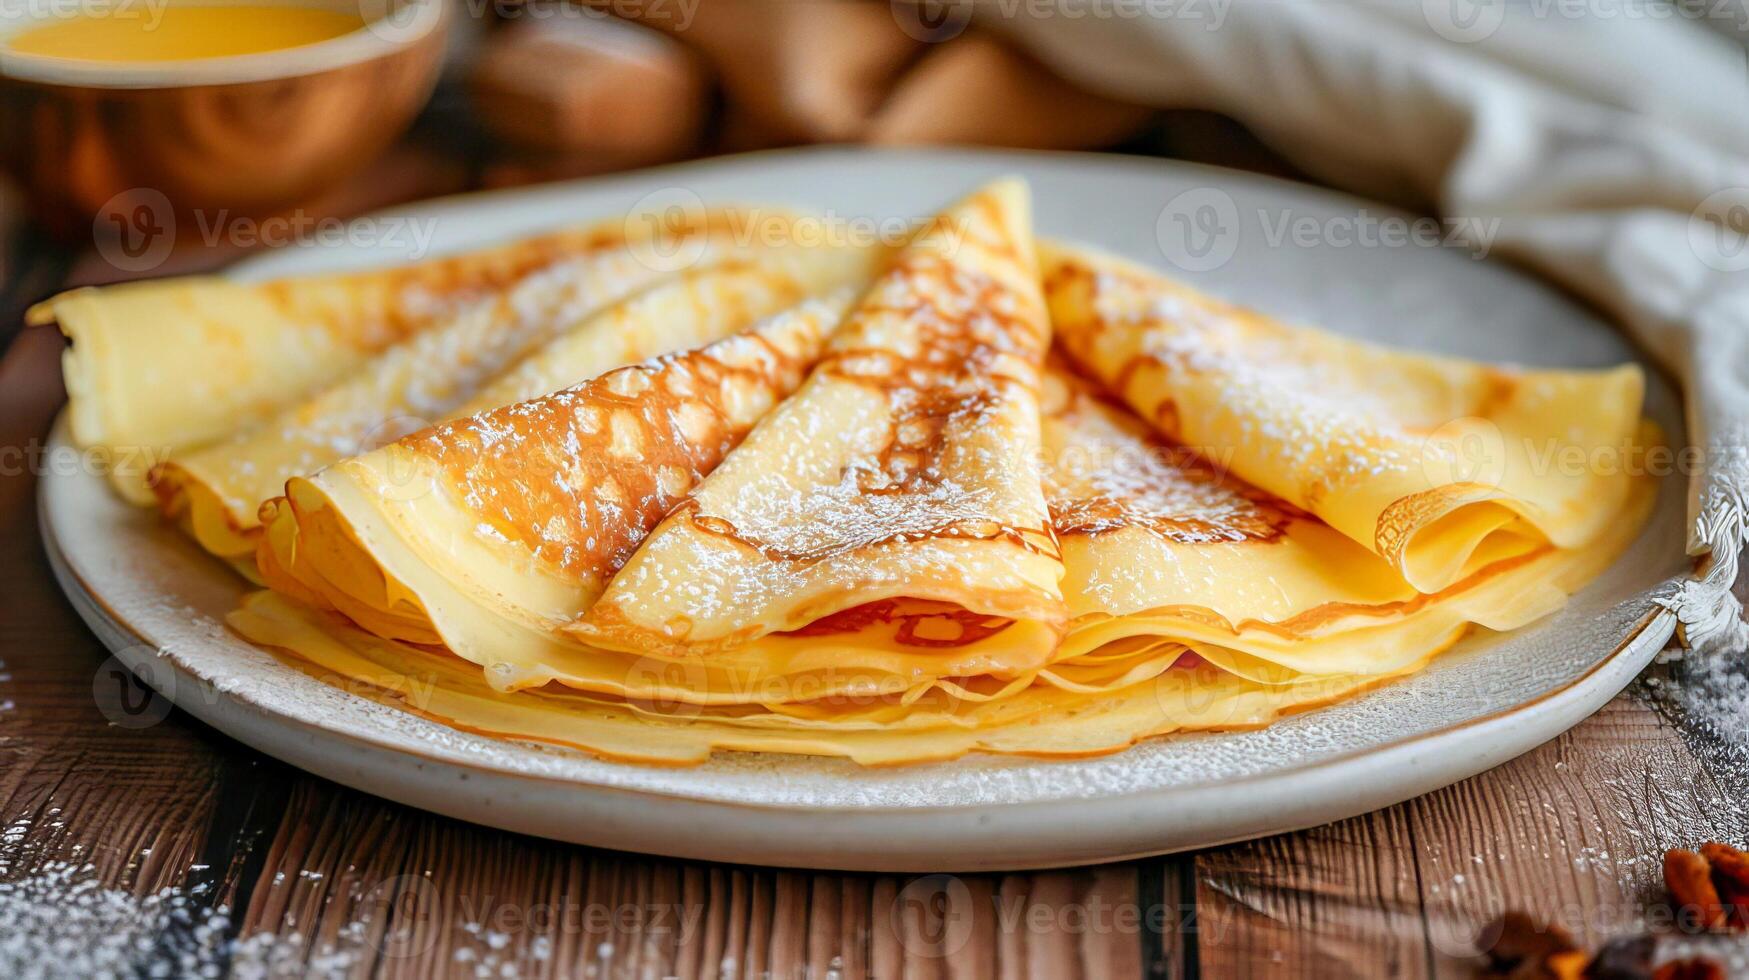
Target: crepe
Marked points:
168	364
893	503
487	533
553	324
1047	722
1162	551
946	539
1439	466
1157	546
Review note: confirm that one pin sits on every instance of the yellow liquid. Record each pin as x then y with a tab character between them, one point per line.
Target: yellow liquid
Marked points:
151	32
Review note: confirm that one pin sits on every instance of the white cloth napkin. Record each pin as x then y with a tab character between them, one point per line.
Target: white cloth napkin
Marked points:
1608	138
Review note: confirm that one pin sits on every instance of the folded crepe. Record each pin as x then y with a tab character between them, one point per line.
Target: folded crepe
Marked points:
893	504
1164	555
1163	551
1439	466
545	333
168	364
488	533
943	542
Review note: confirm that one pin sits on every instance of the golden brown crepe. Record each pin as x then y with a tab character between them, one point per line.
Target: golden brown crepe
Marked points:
1164	551
545	333
1159	550
168	364
885	525
894	501
487	533
1049	722
1436	464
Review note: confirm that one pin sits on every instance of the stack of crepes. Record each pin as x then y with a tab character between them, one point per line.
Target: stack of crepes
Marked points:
974	493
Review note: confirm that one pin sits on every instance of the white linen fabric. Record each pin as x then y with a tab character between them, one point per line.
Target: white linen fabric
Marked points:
1603	143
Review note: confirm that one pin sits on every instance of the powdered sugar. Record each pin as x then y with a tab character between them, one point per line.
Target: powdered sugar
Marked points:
60	921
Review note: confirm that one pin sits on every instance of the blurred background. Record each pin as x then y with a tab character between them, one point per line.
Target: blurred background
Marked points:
145	138
494	93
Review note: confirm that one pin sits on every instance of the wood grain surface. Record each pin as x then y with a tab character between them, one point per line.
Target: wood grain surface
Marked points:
288	875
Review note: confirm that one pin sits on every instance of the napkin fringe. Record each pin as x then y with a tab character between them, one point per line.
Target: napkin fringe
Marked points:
1708	614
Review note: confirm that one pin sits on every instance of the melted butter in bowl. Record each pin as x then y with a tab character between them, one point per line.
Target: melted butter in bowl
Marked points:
182	32
253	107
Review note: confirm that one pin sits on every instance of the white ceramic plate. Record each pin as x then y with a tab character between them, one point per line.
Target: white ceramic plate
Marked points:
159	603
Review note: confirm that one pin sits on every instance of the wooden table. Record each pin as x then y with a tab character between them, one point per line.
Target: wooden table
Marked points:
312	877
